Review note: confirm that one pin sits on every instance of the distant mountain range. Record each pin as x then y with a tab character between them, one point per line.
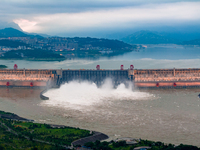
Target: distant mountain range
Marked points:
149	37
11	32
192	42
82	42
9	25
140	37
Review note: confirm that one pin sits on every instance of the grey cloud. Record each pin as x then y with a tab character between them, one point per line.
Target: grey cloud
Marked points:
67	6
12	9
31	10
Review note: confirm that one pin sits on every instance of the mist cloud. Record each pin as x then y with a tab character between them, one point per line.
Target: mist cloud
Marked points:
166	14
50	16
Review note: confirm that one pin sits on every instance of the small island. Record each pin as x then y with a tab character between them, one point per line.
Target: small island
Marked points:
35	54
3	66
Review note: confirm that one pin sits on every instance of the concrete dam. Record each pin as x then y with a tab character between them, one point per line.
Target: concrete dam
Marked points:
142	78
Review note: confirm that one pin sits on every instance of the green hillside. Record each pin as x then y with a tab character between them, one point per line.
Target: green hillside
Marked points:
192	42
10	43
11	32
35	54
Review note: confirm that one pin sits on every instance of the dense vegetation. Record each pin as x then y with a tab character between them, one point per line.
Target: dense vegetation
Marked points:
13	44
63	136
192	42
94	48
34	136
10	141
28	135
3	66
102	43
148	37
3	112
11	32
36	54
76	47
121	145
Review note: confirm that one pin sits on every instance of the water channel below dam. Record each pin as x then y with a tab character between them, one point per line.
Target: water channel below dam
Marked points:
167	115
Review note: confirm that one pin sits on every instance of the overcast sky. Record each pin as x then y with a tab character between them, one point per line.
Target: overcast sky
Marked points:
74	16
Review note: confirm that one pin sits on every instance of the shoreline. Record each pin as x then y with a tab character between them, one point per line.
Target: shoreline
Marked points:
12	116
96	136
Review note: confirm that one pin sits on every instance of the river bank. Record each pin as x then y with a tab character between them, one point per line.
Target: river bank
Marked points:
8	115
24	134
19	125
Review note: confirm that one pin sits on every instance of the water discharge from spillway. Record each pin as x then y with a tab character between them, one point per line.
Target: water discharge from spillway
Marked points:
78	95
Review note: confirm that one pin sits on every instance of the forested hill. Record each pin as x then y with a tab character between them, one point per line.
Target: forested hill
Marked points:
192	42
11	32
11	43
153	37
148	37
102	43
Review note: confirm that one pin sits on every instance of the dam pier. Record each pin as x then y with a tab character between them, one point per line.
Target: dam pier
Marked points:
142	78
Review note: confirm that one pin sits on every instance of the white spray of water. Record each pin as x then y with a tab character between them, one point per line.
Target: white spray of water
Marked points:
78	95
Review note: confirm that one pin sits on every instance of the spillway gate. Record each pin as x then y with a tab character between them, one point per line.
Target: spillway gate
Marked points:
96	76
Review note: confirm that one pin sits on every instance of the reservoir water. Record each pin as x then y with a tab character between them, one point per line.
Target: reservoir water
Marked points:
167	115
154	56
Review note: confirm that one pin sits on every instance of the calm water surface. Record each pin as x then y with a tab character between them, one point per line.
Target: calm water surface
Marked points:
168	115
154	56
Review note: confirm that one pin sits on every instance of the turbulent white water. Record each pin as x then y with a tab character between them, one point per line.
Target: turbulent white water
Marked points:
77	95
172	116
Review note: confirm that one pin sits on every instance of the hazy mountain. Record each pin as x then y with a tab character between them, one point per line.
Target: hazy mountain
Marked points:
9	25
11	32
148	37
182	36
38	34
192	42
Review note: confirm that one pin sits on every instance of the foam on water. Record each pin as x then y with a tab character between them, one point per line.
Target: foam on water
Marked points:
77	95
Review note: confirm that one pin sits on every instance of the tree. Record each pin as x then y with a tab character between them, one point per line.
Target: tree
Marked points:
1	147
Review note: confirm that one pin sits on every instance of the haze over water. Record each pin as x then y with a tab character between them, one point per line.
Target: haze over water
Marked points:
167	115
153	57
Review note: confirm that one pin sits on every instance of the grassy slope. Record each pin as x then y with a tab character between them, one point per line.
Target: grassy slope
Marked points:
27	133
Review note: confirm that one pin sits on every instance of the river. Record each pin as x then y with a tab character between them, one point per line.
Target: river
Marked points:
167	115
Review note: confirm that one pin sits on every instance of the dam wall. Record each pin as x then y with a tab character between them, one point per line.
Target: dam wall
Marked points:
25	78
96	76
21	83
167	78
25	74
179	78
